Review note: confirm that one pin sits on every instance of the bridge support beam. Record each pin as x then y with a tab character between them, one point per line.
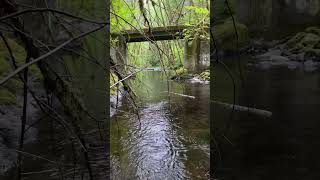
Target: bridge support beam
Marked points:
197	55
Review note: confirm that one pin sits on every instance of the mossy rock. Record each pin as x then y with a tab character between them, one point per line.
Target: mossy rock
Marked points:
226	36
296	39
205	75
181	71
307	42
7	98
310	40
313	52
314	30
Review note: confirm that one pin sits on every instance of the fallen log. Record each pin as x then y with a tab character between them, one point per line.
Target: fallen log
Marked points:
183	95
260	112
244	108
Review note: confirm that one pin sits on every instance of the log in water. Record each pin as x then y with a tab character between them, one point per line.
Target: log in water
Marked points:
233	106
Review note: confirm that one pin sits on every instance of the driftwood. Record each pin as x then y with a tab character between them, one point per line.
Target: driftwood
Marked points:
260	112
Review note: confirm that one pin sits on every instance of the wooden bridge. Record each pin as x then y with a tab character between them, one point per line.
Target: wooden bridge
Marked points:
152	34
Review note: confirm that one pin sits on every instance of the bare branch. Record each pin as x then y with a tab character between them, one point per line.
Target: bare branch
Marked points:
48	54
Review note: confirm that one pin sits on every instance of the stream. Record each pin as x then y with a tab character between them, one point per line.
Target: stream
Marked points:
171	138
285	146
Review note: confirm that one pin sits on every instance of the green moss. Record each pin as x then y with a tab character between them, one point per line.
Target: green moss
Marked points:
314	30
307	42
35	72
13	85
18	51
20	55
312	52
181	71
205	75
113	79
7	98
295	39
4	66
226	36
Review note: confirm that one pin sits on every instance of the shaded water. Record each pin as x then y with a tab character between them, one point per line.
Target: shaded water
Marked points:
171	139
285	146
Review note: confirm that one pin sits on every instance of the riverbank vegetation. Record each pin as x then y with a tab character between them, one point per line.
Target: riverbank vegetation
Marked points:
138	15
266	69
160	121
53	89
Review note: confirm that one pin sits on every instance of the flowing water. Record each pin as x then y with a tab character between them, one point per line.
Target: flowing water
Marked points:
285	146
170	140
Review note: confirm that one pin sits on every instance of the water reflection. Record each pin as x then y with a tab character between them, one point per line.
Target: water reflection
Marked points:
281	147
171	139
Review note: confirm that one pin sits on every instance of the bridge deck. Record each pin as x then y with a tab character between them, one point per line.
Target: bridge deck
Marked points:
156	34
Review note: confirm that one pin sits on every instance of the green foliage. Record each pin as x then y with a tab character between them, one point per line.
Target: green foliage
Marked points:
195	15
146	54
122	15
193	32
198	10
126	14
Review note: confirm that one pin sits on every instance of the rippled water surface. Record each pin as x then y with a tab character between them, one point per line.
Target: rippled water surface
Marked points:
170	140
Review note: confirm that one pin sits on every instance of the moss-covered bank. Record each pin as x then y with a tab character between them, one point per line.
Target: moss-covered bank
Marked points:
10	88
226	38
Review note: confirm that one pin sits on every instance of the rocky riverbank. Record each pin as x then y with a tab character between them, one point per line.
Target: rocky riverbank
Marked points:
302	49
182	74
